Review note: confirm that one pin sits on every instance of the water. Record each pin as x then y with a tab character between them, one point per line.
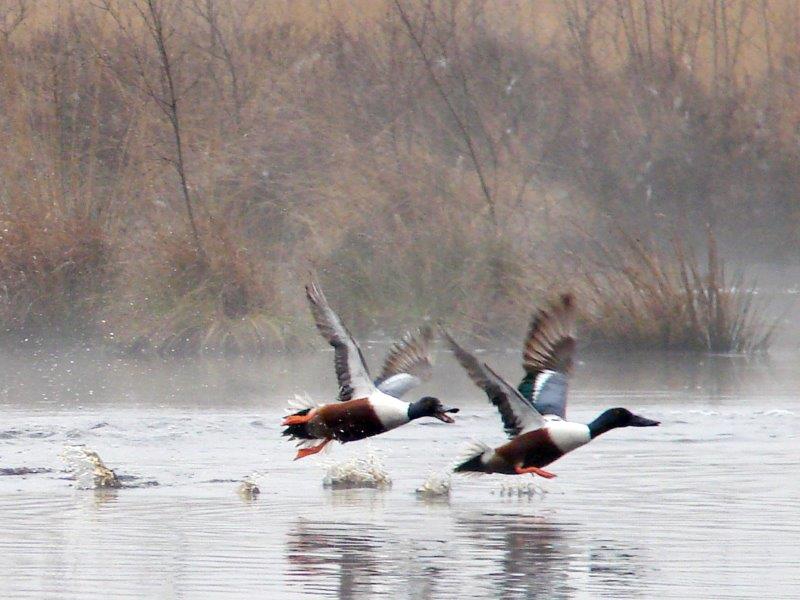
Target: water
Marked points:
704	506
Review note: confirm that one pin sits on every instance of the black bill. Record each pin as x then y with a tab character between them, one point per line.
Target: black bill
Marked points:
637	421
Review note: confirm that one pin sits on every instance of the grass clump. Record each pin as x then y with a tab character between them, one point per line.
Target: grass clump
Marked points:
184	302
643	296
54	271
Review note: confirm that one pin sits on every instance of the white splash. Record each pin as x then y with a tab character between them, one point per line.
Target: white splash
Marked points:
88	469
437	485
519	490
248	489
357	472
779	412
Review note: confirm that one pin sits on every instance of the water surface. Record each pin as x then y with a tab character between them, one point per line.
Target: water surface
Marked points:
704	506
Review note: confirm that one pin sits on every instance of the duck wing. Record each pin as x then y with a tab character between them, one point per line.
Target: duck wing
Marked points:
547	356
351	368
517	413
407	364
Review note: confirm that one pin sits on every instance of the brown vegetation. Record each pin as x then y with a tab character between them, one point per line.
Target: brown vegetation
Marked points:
642	296
172	170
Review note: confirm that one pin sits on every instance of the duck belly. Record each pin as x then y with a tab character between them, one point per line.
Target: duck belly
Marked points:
354	420
531	449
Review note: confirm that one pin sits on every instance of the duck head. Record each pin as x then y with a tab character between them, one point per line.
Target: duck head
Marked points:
430	407
618	417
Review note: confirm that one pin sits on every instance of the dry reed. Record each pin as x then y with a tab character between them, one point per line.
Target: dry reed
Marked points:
423	156
641	296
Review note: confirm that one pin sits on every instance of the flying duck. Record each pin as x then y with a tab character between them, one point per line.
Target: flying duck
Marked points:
535	415
364	409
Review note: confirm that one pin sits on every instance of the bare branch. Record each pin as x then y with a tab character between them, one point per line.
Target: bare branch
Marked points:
426	59
12	18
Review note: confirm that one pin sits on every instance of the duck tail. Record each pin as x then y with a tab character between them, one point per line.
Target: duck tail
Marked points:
298	430
299	403
471	460
300	407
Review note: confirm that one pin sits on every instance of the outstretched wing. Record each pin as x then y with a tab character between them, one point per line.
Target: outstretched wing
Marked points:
517	414
351	368
407	364
547	356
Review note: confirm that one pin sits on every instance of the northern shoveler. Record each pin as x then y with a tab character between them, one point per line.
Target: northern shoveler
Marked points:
363	409
535	415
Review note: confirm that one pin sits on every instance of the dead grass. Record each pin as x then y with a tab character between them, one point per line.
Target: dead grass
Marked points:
178	302
642	296
54	273
316	137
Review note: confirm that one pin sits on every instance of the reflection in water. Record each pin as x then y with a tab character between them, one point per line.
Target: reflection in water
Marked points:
709	377
347	551
532	558
357	560
612	568
477	555
366	499
103	496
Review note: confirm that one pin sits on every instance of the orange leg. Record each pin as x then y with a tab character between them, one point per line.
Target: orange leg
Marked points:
298	419
303	452
534	471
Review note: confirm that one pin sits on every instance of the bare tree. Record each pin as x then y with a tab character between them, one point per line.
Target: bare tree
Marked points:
12	17
160	87
221	47
458	118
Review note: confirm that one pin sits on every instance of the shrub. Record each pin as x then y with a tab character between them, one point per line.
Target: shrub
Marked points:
54	271
181	302
641	295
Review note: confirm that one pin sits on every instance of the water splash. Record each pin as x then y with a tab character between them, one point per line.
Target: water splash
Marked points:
248	489
437	485
88	469
519	490
357	472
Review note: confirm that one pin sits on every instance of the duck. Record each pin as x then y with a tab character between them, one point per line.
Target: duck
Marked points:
534	414
365	406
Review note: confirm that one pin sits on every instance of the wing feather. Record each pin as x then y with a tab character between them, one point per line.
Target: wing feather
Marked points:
408	363
547	356
517	414
351	368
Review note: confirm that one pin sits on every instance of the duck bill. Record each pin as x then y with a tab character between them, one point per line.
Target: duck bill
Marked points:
637	421
443	416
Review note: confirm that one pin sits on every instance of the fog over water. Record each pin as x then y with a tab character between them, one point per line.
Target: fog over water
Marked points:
705	505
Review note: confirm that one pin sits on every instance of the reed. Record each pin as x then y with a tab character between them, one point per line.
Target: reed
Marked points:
179	181
180	302
644	296
54	273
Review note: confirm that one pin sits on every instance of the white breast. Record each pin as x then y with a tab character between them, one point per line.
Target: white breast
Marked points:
566	435
391	411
